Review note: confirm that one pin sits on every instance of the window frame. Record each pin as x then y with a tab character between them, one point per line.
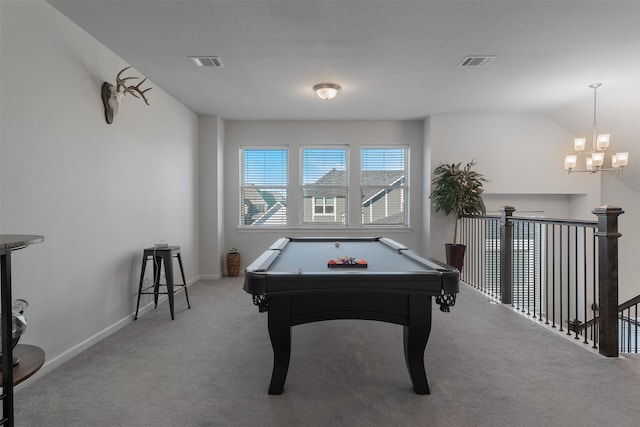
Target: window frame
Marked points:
344	222
324	205
283	189
404	186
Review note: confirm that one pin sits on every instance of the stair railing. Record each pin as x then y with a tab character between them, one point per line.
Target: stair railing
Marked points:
561	272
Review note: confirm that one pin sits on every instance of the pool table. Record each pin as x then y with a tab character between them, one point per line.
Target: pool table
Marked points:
296	282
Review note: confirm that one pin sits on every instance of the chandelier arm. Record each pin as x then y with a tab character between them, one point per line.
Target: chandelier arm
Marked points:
595	120
599	169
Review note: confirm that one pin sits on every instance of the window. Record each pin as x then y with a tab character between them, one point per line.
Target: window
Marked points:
324	205
324	183
324	190
263	187
384	186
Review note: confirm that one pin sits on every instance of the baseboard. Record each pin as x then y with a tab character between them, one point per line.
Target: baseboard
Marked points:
211	276
59	360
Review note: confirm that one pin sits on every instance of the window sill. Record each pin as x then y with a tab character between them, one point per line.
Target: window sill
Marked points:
371	229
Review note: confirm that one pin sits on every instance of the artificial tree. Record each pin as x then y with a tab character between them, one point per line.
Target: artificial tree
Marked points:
457	190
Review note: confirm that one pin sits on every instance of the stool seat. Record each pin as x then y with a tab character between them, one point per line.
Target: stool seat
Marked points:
161	256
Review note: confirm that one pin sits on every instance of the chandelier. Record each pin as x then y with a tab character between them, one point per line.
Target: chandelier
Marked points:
600	142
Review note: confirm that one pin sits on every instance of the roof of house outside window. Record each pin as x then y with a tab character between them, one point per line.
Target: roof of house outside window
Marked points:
381	178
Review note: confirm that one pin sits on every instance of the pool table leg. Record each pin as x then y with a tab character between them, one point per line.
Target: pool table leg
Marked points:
280	334
416	335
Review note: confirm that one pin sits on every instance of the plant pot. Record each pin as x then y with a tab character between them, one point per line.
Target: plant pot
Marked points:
455	255
233	264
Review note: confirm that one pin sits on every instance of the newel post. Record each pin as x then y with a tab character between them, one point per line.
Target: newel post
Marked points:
506	254
608	235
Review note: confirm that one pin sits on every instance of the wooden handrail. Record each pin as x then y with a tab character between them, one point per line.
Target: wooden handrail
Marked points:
633	301
560	221
622	307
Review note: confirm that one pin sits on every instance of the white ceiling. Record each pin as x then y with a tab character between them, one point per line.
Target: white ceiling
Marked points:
393	59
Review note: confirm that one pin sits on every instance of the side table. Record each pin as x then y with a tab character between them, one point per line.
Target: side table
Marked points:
8	244
31	360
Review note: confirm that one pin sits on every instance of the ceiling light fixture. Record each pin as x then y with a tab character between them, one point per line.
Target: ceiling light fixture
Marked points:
600	143
326	91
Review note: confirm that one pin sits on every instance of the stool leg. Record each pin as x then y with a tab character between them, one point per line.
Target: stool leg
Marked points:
144	265
168	271
157	269
184	281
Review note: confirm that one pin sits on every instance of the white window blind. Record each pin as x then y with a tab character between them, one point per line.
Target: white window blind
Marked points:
263	187
384	186
324	190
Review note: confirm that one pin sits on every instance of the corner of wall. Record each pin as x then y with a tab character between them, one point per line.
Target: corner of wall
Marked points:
426	180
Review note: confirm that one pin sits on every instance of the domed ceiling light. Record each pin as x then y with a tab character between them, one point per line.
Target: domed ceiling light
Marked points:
326	91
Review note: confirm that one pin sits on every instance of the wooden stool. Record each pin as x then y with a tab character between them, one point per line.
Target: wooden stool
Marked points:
161	256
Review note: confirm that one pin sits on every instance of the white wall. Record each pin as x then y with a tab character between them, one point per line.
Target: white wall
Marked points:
211	200
294	134
618	114
520	156
99	193
617	193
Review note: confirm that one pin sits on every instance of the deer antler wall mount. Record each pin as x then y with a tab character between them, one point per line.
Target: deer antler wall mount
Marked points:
112	95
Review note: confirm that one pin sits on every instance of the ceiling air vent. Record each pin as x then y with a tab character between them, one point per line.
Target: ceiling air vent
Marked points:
207	61
476	61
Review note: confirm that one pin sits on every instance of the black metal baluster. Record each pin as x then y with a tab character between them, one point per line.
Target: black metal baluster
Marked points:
475	237
569	278
584	275
628	322
522	277
496	261
514	282
575	317
553	294
527	264
463	240
469	273
537	278
561	259
635	340
524	241
546	274
521	266
494	256
464	270
473	273
594	326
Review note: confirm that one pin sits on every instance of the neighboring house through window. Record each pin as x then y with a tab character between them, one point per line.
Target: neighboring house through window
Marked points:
263	186
383	181
324	188
324	207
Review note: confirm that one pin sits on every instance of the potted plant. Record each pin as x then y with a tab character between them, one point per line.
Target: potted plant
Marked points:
457	190
233	262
